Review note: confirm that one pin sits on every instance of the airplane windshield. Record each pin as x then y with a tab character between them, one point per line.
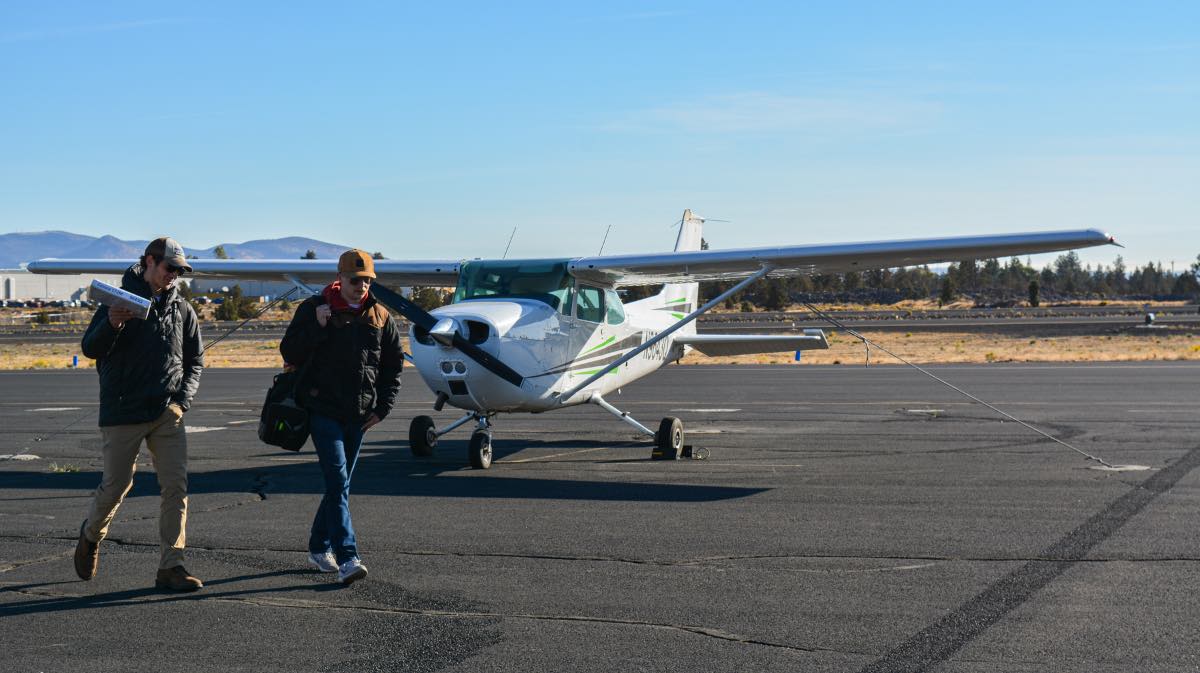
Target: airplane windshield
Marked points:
545	281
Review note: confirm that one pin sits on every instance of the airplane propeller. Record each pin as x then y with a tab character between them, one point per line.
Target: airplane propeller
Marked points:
445	333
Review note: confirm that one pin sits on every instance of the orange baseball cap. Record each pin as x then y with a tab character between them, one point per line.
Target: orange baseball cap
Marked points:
356	264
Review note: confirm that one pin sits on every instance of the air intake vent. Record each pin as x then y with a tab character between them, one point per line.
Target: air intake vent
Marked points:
477	332
458	387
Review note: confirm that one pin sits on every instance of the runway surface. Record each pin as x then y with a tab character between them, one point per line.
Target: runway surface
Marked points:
847	519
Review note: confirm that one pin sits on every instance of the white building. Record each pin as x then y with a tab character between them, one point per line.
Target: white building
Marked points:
20	285
250	288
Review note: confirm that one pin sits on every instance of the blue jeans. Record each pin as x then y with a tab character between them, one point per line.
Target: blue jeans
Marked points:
337	450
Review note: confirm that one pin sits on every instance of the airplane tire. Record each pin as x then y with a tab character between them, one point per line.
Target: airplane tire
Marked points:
422	436
668	441
479	451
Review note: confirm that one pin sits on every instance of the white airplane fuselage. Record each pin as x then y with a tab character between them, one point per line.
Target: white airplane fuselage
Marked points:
553	350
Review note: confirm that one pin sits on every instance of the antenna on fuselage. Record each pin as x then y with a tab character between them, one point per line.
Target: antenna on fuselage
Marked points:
510	239
605	240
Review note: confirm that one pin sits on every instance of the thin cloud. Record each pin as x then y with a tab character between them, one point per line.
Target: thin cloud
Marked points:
73	31
757	112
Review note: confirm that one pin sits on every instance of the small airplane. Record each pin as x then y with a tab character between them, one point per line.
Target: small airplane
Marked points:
535	335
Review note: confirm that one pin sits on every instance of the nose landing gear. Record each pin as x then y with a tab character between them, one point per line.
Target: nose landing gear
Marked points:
479	451
423	437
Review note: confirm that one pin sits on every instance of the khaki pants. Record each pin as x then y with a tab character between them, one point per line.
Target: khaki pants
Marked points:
168	450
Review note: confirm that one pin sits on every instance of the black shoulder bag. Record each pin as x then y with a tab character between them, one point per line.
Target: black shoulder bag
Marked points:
284	423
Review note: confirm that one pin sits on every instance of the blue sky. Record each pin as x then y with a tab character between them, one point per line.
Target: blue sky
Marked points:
429	132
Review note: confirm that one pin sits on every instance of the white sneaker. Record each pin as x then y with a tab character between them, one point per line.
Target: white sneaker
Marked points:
351	571
326	562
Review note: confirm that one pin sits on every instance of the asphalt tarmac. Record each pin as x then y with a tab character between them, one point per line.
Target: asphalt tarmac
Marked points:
846	519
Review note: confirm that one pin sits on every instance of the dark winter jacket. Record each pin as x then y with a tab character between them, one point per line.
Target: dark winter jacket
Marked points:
356	360
147	364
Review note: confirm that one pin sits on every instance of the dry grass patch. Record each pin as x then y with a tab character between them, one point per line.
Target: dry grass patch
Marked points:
955	347
843	349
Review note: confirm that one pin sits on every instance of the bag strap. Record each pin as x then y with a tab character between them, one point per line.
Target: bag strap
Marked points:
319	301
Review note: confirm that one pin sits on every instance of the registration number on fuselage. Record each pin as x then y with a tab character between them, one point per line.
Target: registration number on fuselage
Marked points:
657	352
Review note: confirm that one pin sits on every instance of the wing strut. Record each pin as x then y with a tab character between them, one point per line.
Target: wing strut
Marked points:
665	333
305	288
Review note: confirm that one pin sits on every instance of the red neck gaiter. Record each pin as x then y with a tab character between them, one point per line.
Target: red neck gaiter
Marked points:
337	303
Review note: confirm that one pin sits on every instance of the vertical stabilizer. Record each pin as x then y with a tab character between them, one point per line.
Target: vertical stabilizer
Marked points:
691	231
680	299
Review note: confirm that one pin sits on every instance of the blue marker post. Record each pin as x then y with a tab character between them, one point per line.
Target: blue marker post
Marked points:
798	355
75	361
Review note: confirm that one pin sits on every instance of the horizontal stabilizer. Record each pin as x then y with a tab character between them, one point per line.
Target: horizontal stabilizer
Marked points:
747	344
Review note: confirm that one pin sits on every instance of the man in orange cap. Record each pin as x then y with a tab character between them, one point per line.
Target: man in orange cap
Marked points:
350	347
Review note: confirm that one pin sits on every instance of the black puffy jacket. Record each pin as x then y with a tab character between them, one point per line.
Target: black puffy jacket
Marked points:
147	364
356	360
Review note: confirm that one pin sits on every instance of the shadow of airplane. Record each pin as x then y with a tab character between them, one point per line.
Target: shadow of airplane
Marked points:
396	473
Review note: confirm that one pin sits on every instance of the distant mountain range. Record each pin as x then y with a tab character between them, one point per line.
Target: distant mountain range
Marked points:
22	248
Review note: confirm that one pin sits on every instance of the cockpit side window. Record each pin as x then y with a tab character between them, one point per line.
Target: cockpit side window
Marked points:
589	302
614	312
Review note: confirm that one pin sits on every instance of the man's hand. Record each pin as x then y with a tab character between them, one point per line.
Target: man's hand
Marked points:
371	422
117	317
323	313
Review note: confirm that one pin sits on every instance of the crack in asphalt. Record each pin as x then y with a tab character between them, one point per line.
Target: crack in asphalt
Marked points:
303	604
6	567
686	628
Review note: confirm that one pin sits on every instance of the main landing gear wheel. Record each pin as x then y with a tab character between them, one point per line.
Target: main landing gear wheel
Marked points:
480	450
422	436
668	441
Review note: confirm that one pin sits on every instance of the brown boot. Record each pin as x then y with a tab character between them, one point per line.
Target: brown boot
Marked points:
177	579
87	555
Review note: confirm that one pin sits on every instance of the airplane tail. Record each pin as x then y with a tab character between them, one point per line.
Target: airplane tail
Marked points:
682	298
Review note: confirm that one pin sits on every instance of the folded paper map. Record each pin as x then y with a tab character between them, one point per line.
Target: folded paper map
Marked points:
115	297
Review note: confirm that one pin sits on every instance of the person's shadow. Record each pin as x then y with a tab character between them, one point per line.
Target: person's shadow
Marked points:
139	596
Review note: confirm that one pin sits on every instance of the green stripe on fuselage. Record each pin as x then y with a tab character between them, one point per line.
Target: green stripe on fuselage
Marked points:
600	345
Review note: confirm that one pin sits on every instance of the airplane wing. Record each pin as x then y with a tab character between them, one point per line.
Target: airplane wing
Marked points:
649	269
746	344
438	273
669	267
